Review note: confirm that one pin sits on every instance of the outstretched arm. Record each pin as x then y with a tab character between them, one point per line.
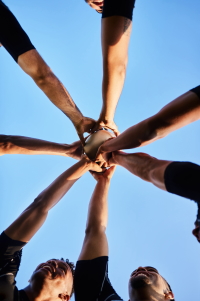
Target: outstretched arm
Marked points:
143	166
33	64
33	217
178	113
181	178
116	31
31	146
95	243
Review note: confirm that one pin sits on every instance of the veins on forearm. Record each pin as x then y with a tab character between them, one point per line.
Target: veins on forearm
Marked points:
127	26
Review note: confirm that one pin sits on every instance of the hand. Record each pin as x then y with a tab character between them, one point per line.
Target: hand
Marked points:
110	125
107	175
103	155
85	125
75	150
91	166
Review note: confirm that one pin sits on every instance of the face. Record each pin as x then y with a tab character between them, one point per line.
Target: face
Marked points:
146	283
52	280
96	4
196	231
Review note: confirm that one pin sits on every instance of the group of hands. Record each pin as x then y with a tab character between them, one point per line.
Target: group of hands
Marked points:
102	160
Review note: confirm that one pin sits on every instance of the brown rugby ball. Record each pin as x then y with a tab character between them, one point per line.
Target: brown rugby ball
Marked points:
94	141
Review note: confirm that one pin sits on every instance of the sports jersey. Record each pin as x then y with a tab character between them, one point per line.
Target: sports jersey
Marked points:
91	281
10	258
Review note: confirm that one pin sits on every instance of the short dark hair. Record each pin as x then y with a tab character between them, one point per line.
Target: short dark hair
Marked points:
72	268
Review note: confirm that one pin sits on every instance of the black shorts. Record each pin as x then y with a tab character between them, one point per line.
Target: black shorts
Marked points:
122	8
12	36
183	178
91	281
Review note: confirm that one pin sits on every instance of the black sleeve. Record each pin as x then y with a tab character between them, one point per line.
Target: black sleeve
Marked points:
10	257
12	36
10	254
91	278
183	178
122	8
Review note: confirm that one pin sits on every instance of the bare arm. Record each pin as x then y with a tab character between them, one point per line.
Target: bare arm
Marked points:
33	217
95	243
176	114
30	146
116	32
33	64
143	166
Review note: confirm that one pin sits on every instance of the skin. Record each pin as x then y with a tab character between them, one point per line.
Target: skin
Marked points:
95	243
147	284
33	64
180	112
115	37
196	231
48	282
31	146
147	168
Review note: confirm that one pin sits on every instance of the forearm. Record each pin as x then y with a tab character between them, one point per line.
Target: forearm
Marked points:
34	65
135	136
30	146
115	40
113	81
53	193
98	207
33	217
178	113
60	97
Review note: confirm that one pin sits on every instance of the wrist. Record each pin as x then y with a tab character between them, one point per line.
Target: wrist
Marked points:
105	181
106	117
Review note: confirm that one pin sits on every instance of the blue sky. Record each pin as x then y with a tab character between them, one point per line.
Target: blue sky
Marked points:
146	226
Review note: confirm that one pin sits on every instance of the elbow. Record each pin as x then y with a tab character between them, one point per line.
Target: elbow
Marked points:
157	128
95	230
118	66
39	204
41	74
5	144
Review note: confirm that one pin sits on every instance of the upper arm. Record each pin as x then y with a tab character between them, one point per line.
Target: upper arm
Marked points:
116	32
10	255
95	245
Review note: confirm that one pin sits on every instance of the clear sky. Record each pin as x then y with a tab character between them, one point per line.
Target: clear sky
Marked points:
146	226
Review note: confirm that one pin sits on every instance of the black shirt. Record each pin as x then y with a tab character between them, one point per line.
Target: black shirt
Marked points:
10	258
91	280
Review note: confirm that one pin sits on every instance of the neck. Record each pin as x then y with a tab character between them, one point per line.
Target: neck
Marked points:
30	294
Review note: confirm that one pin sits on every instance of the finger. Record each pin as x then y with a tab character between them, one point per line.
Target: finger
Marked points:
100	163
111	170
96	128
116	132
82	139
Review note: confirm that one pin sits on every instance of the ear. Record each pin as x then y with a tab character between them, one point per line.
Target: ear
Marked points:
169	296
64	297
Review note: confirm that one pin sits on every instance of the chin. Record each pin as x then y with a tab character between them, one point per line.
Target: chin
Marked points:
139	282
38	278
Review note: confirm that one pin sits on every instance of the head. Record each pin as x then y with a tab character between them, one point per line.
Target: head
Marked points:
96	4
52	280
196	231
146	284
